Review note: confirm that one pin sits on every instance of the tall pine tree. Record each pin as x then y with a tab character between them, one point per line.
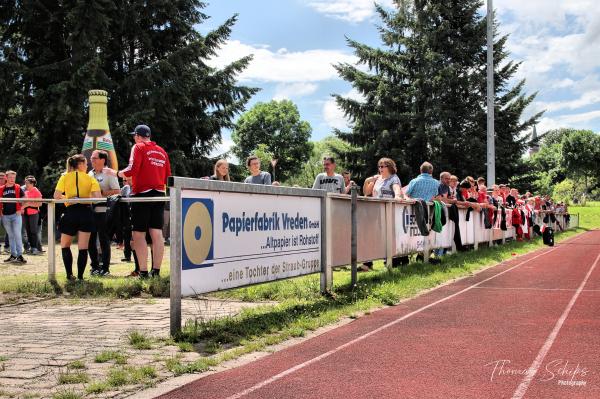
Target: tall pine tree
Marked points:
147	54
424	93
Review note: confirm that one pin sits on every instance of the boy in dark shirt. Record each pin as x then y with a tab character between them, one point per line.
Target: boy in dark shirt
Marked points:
12	217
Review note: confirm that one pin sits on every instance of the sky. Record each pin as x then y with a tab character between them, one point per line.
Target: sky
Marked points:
295	44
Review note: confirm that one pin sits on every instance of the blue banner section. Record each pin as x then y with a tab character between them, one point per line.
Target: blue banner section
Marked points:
197	232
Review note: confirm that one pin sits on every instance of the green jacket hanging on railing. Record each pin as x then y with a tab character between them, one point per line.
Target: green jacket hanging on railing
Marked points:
439	217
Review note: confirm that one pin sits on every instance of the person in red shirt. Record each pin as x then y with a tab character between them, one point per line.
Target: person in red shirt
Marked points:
31	213
482	196
149	167
537	203
504	191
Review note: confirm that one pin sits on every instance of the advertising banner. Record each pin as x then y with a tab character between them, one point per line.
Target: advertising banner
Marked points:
467	232
234	239
443	239
408	237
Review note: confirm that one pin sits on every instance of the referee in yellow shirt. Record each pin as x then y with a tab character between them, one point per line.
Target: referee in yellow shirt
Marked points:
77	218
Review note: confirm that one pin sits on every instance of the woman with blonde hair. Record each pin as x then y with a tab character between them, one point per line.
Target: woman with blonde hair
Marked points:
78	218
221	171
386	184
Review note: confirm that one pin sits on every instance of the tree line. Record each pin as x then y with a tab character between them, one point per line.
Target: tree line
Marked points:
422	90
149	56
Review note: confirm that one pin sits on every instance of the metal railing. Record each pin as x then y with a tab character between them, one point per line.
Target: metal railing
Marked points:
51	218
353	220
352	237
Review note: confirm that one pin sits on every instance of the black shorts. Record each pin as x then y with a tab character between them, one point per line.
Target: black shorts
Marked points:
147	215
77	217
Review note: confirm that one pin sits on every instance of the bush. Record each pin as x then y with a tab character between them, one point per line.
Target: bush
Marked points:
568	191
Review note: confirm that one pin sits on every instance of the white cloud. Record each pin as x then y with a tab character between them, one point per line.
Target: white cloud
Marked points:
580	118
348	10
283	66
226	144
334	116
557	42
563	84
587	98
576	121
294	90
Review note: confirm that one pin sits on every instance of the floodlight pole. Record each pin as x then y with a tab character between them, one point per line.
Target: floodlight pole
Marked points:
491	151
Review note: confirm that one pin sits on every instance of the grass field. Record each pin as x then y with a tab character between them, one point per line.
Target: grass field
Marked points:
31	279
589	215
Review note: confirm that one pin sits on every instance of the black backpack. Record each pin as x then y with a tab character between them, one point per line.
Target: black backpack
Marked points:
548	236
114	223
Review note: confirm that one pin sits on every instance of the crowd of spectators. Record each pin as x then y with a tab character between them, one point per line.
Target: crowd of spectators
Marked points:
146	223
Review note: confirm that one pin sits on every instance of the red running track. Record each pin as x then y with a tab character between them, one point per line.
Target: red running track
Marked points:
529	327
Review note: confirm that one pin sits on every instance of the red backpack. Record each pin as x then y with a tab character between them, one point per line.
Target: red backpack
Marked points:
516	217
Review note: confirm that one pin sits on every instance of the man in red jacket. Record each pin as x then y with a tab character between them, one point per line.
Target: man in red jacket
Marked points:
149	167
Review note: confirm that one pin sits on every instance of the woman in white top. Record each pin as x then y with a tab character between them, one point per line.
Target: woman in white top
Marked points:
386	184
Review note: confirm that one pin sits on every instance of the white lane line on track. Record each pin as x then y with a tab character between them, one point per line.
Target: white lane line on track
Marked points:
531	289
379	329
533	369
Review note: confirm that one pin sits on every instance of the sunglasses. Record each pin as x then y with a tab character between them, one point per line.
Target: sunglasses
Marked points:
381	166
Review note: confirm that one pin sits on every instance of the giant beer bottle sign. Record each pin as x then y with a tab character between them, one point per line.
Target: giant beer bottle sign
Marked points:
97	136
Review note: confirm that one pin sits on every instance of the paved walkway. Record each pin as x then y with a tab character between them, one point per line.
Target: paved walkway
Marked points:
39	339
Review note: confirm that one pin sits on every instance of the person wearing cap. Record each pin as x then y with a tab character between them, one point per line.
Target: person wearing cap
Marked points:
149	167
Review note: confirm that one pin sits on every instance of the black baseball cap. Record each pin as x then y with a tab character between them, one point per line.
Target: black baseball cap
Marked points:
141	130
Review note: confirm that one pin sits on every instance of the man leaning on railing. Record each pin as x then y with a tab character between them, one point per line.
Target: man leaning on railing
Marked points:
149	166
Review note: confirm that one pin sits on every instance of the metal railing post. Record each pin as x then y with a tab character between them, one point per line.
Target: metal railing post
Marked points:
51	241
491	240
326	269
453	244
353	236
389	234
476	221
426	241
175	261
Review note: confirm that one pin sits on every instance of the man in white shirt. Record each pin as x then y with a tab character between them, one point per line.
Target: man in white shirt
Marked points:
109	185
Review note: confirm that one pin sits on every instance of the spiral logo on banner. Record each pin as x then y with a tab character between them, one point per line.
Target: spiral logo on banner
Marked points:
198	219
